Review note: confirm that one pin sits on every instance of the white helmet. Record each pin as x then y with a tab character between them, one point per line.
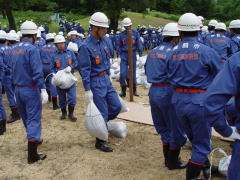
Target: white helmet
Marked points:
213	23
201	18
18	38
41	28
126	22
38	34
170	29
19	34
188	22
59	39
234	24
3	34
99	19
29	27
69	34
12	36
221	26
12	31
49	36
60	33
153	32
74	32
81	35
205	29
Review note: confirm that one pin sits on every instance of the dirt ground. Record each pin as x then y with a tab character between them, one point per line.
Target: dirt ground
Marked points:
71	153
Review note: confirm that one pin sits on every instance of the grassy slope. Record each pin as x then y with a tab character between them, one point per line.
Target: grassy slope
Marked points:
154	18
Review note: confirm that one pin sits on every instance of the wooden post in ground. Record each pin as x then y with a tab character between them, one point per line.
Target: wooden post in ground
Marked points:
130	64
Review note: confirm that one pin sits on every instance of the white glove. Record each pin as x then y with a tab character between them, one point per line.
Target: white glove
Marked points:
235	134
88	96
44	96
67	69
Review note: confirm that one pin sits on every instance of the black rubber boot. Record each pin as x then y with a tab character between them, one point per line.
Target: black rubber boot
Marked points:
3	90
64	114
135	91
101	145
54	103
123	93
40	142
70	113
174	162
33	156
206	169
165	154
49	97
2	127
193	171
14	116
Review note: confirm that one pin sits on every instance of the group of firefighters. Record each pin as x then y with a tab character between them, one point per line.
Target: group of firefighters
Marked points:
194	76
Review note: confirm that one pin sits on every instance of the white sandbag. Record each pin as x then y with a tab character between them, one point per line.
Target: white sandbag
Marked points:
118	76
117	129
117	70
142	61
95	123
114	76
63	80
114	66
224	164
111	72
72	47
124	106
139	81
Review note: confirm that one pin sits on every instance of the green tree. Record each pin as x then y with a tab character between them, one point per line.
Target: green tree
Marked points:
7	9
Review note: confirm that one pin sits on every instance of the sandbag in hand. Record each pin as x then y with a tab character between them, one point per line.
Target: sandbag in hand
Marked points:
88	96
68	69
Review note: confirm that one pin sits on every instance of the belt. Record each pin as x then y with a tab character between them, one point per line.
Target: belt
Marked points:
161	84
190	90
99	74
46	63
27	86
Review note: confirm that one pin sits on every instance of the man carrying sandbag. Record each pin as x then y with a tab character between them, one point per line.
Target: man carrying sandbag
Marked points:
65	59
94	67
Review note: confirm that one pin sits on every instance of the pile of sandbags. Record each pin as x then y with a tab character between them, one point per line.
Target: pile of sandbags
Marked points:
140	71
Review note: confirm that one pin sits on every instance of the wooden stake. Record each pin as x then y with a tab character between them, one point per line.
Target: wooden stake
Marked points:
130	64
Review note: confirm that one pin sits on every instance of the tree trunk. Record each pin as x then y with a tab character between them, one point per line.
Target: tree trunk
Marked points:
8	10
113	11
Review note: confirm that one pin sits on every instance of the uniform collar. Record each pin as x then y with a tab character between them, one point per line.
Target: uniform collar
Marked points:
168	44
94	40
26	40
190	38
65	50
